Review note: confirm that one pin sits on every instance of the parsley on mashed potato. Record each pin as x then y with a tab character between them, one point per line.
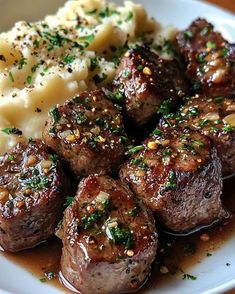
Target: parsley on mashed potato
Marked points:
47	62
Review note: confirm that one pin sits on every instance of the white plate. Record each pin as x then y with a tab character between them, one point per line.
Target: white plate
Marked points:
213	274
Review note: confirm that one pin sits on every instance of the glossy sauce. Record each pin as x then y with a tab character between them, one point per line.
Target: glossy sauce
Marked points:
178	254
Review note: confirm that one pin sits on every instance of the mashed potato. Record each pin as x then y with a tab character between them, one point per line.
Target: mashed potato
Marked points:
48	62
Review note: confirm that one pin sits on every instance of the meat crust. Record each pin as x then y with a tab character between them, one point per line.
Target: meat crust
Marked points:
33	187
109	238
209	59
213	117
177	173
88	133
146	82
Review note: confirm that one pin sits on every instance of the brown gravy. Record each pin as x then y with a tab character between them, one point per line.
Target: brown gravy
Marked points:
177	254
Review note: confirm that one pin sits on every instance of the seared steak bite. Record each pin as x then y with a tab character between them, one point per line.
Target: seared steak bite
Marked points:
178	175
88	133
33	188
213	117
146	82
109	238
209	58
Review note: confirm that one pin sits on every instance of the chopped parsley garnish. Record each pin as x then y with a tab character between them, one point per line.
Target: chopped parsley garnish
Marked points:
55	115
88	38
203	123
10	75
11	157
22	62
29	80
81	118
69	200
34	68
104	13
94	63
188	35
35	44
88	221
43	280
12	131
164	107
201	57
189	277
171	184
37	182
99	78
53	157
198	143
69	59
133	212
224	52
157	132
129	16
135	149
209	254
55	40
187	147
211	45
122	236
228	129
91	12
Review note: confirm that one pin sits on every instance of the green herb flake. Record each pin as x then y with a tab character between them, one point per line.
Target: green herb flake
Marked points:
211	45
10	75
94	63
88	38
12	131
129	16
164	107
81	118
104	13
69	200
54	113
171	184
11	157
135	149
189	277
88	221
188	35
100	78
21	63
54	157
140	67
228	129
43	280
133	212
122	236
35	44
68	59
157	132
28	80
208	254
224	52
92	12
